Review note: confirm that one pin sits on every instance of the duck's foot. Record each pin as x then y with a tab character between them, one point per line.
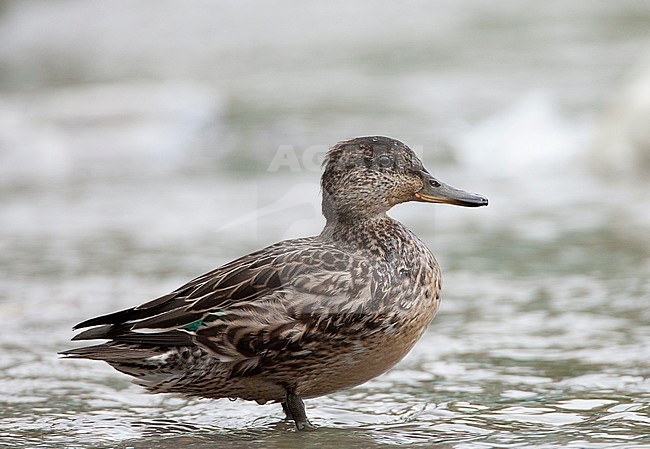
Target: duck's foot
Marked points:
295	409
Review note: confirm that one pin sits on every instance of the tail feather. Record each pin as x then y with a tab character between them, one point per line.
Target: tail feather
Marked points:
148	366
112	353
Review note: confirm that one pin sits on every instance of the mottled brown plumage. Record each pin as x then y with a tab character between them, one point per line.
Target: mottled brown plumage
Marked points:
301	318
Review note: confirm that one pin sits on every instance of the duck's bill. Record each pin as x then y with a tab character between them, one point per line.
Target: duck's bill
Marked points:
435	191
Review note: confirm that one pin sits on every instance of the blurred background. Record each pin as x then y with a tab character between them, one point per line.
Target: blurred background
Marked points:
144	143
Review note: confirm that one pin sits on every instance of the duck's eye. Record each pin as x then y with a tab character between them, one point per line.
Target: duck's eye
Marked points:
384	161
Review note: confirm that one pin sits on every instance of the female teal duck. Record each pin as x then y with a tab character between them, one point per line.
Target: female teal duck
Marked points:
301	318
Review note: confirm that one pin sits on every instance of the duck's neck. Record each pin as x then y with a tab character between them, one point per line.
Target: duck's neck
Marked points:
366	232
339	209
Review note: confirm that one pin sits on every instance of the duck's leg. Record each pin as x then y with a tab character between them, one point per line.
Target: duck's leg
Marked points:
287	412
296	408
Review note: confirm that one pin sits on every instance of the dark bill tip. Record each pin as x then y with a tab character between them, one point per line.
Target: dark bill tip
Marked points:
434	191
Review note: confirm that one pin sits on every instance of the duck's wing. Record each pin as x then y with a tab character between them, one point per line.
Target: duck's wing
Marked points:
262	302
244	278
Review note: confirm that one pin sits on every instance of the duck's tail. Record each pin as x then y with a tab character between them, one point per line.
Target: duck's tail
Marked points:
151	367
112	352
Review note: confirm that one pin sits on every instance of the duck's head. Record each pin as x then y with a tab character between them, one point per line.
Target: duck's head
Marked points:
366	176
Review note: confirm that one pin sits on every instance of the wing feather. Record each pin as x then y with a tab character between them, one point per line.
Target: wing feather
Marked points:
262	304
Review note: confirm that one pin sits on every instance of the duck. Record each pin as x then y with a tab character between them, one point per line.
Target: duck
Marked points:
302	318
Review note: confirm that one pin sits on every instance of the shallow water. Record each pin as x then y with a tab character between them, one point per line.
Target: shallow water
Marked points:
540	341
543	337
